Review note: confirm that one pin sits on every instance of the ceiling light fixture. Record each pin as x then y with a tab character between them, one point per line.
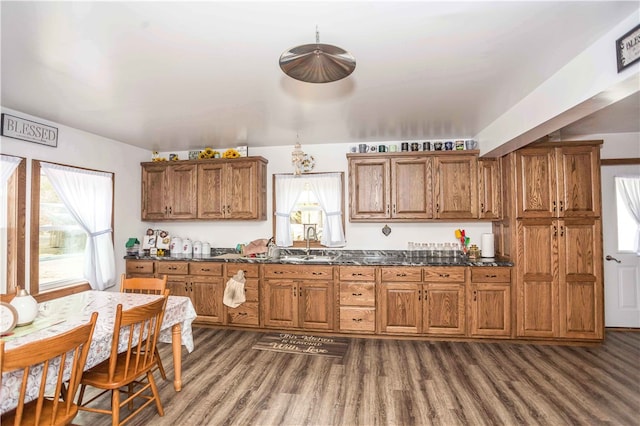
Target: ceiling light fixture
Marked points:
317	63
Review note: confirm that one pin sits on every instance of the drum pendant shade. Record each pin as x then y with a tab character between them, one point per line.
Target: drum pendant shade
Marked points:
317	62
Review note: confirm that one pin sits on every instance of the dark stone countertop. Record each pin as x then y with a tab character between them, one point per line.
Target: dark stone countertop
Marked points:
337	257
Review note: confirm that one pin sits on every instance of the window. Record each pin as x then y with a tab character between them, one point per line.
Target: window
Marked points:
309	201
628	213
12	222
72	219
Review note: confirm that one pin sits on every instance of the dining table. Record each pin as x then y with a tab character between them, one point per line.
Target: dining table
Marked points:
65	313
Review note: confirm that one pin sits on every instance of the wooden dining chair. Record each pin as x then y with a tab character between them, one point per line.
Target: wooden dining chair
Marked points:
46	359
146	285
138	328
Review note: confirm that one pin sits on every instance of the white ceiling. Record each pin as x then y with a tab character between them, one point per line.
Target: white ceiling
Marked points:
184	75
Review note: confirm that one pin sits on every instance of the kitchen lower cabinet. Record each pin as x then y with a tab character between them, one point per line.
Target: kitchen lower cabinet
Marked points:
297	296
201	282
433	304
140	268
247	314
357	299
490	302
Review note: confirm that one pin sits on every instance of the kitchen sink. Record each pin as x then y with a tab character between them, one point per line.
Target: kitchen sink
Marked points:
312	258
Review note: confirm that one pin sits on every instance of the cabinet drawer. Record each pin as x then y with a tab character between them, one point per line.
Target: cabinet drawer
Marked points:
358	294
245	314
358	319
306	272
171	268
250	270
139	267
205	268
491	275
444	274
357	273
401	274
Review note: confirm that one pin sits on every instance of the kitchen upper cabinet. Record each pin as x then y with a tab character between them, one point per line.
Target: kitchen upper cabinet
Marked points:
235	189
558	182
168	191
297	296
489	189
205	189
456	186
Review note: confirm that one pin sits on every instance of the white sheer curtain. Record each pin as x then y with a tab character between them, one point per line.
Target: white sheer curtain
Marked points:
629	190
8	164
88	195
327	187
288	189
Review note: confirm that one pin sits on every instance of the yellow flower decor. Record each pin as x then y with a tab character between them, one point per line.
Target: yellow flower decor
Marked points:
155	157
207	153
231	153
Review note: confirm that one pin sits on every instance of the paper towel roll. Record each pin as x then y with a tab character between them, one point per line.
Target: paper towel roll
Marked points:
488	249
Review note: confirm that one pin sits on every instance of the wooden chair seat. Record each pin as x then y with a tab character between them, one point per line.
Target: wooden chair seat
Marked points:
146	285
57	408
131	367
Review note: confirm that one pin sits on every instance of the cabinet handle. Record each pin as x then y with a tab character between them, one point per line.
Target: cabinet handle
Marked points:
562	231
394	209
278	272
357	319
555	231
482	207
491	276
561	205
475	294
166	209
316	273
139	267
170	210
420	294
228	209
437	207
356	274
242	313
387	208
294	291
356	294
204	269
401	275
172	268
444	275
554	205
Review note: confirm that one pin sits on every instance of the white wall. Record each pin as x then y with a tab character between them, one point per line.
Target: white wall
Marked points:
82	149
616	145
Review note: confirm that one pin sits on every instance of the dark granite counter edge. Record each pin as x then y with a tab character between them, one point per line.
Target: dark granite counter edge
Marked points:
343	257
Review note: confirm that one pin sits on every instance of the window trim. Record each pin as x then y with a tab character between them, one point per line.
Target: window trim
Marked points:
302	244
34	244
16	226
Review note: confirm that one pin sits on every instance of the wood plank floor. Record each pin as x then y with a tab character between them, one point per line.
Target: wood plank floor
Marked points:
389	382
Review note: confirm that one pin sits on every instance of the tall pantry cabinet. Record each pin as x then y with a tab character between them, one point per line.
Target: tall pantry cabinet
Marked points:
552	231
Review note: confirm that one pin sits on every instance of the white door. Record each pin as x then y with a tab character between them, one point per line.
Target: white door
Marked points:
621	268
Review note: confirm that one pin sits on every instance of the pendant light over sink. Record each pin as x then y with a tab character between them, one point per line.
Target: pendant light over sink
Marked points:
317	62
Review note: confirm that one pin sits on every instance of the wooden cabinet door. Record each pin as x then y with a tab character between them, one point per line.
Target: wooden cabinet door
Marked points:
579	181
581	283
443	308
489	191
536	183
211	191
400	310
456	187
243	190
490	309
369	193
181	191
207	298
316	305
280	303
411	188
537	278
154	192
178	285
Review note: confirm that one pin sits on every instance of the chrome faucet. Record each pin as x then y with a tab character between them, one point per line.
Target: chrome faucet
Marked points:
308	238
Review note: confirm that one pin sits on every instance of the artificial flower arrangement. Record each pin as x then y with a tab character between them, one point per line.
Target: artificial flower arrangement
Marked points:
464	240
207	153
231	153
155	157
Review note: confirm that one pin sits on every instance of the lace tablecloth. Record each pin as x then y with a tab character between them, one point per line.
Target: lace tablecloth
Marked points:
59	315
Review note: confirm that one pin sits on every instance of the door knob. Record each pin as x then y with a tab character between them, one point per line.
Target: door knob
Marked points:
609	257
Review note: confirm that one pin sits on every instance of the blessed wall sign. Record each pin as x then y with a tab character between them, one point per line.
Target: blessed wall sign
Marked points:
628	48
30	131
